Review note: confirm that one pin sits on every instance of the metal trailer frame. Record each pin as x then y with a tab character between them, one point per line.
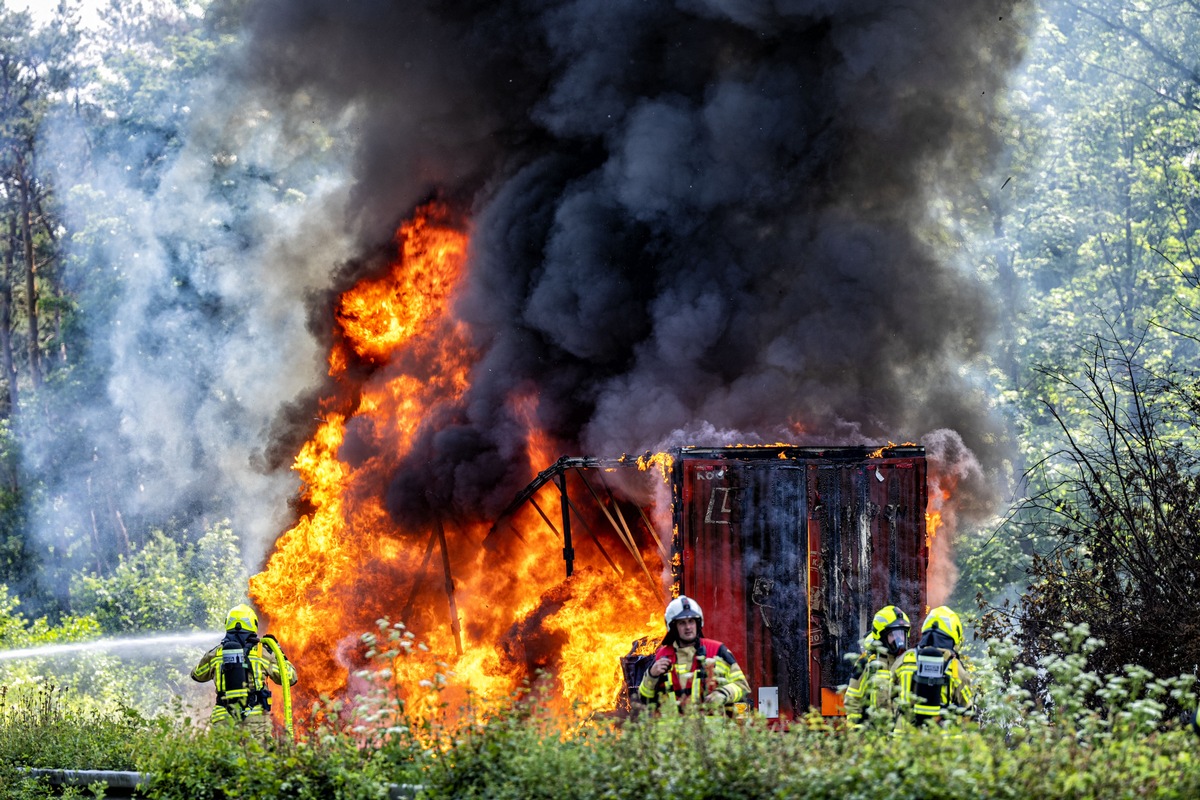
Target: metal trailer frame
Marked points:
789	550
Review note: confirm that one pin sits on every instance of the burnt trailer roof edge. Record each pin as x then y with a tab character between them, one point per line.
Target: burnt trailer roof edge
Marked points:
734	452
787	451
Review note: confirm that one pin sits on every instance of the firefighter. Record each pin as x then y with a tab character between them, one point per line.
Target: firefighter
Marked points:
932	681
239	668
691	669
869	694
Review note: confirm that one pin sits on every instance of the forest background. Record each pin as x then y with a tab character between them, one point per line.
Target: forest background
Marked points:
1085	236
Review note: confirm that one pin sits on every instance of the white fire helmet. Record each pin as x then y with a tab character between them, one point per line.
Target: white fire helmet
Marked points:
683	607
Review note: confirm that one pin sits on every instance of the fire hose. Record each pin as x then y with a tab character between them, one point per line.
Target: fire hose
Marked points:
284	681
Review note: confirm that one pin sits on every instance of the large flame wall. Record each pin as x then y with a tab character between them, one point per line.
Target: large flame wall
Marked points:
494	614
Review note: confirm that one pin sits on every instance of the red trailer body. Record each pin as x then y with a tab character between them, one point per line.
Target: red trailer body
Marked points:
790	551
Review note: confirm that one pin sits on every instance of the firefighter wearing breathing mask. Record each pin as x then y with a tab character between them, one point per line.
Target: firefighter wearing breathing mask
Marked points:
932	681
691	669
240	669
868	697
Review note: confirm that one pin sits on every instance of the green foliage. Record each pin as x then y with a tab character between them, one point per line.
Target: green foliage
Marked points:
167	586
1084	735
690	757
227	762
94	679
46	727
12	623
1060	695
144	98
1119	514
15	553
1094	233
16	631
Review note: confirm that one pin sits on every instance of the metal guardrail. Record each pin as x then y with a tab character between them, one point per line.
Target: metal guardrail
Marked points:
120	784
126	784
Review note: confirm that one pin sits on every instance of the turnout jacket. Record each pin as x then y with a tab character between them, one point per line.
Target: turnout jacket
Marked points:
255	700
682	679
872	688
930	680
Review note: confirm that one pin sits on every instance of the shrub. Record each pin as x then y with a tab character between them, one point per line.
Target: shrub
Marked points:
167	585
41	727
1087	736
229	762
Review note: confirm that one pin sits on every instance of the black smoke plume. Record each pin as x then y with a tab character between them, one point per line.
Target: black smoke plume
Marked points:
693	222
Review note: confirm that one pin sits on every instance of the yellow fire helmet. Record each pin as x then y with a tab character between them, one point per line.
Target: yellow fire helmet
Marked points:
889	617
946	621
891	627
242	617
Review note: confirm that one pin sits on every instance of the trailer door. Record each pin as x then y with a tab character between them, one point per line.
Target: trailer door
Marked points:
744	536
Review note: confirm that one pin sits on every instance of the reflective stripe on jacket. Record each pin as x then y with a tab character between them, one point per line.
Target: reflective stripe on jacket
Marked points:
873	686
726	676
251	700
951	693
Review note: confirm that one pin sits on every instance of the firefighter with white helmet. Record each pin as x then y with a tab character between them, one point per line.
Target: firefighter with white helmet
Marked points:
240	669
690	668
932	681
870	691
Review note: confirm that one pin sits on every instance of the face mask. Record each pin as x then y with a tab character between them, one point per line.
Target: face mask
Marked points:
895	640
936	638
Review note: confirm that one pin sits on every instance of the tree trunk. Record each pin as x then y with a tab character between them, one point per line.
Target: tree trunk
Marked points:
6	307
31	298
55	285
1009	290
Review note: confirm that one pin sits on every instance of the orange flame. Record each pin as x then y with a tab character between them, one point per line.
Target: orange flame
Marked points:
495	614
939	521
661	461
933	515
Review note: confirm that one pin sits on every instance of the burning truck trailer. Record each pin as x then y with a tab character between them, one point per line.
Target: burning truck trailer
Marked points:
789	550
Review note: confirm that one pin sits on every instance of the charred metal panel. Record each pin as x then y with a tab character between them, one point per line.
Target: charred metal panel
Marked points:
871	516
790	551
744	552
715	546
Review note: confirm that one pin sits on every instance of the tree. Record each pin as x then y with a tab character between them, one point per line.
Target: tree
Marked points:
1095	236
109	135
1120	502
36	65
166	586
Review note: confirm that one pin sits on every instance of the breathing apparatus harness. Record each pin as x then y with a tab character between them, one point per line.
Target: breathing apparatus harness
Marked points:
931	680
241	685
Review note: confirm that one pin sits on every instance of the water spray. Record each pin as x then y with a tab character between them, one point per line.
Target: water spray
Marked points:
103	645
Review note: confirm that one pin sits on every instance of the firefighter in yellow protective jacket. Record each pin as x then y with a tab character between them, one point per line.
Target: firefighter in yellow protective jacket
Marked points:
932	680
240	669
690	668
869	695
